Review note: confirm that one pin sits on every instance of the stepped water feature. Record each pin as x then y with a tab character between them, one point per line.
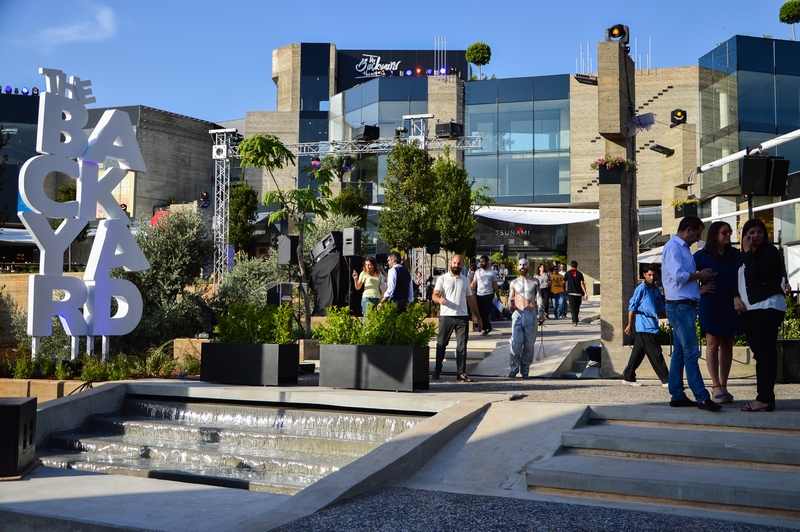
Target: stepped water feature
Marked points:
262	448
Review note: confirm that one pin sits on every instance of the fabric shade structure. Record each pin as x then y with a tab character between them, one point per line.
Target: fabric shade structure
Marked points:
539	215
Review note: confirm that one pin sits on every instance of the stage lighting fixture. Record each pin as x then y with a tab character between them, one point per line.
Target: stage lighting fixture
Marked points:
25	91
35	91
205	200
429	72
346	162
8	89
453	70
586	79
419	71
618	32
442	71
658	148
398	132
677	117
16	90
409	73
315	161
124	207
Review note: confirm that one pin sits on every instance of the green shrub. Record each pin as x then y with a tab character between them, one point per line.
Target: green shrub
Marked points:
384	326
256	324
94	369
190	365
63	370
155	362
23	367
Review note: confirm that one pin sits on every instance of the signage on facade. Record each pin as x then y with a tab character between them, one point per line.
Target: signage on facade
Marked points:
65	148
370	66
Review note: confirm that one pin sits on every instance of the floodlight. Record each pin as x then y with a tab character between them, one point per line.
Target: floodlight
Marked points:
346	162
586	79
677	117
442	71
205	200
658	148
618	32
409	73
35	91
8	89
25	91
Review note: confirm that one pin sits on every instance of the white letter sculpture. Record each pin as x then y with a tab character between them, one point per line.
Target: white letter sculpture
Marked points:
65	148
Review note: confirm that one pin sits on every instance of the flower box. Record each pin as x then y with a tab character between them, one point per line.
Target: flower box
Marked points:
612	176
374	367
686	209
249	364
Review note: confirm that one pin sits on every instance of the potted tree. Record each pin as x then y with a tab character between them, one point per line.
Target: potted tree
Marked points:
685	207
255	345
612	169
388	352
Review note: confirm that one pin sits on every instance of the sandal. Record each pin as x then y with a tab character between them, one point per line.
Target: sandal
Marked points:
768	408
722	397
464	378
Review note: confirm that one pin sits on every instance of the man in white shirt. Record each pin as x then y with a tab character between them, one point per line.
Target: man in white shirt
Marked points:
484	286
452	292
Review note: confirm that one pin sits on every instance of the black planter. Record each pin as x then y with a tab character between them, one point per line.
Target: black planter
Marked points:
374	367
613	176
788	361
250	364
687	209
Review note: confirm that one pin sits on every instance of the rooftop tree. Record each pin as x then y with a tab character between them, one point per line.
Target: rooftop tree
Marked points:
479	54
790	14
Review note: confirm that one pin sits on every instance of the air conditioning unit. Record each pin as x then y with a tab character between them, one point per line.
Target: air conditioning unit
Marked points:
219	152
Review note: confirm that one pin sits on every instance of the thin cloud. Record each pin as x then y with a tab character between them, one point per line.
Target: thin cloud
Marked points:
101	29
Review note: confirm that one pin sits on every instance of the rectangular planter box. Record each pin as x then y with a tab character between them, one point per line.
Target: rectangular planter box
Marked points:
374	367
688	209
613	176
250	364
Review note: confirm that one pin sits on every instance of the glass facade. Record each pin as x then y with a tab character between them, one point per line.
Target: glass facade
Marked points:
749	93
524	123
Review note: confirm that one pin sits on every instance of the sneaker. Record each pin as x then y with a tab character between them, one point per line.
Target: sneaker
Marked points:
709	405
464	378
512	374
683	402
631	383
665	385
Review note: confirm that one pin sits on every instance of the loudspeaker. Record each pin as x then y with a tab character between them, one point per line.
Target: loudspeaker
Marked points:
331	280
332	243
504	251
449	130
367	133
764	176
287	250
17	434
432	248
472	249
351	242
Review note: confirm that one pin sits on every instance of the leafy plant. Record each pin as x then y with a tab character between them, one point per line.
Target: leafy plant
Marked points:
256	324
155	361
242	211
63	370
683	202
384	326
94	369
23	367
613	161
479	54
790	14
190	365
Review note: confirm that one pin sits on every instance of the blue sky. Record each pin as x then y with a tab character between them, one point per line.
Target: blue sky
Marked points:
212	59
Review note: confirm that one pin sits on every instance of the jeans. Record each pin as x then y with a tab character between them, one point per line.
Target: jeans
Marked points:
365	302
761	328
646	343
446	326
558	305
523	337
685	354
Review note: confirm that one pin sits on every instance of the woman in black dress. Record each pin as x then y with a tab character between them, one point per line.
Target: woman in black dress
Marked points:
761	302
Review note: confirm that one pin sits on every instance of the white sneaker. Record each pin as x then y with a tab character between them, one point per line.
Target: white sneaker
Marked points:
632	383
665	385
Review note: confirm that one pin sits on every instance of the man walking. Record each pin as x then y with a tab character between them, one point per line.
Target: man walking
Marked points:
453	293
484	286
399	287
682	293
646	306
525	301
576	290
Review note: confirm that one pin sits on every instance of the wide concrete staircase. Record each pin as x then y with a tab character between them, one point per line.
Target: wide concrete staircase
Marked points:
260	448
737	461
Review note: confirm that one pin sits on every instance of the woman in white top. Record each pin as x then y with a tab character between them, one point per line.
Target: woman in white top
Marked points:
371	282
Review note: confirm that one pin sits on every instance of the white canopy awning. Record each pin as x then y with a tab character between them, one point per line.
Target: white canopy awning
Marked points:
539	215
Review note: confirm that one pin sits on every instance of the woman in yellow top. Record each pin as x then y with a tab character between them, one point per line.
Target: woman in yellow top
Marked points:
371	282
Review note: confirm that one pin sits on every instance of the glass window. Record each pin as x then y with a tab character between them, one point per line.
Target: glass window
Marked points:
369	92
551	87
481	121
551	178
786	53
394	89
369	114
515	90
390	116
418	107
313	130
754	54
418	89
477	92
788	103
515	178
314	93
352	99
515	126
483	168
756	101
551	125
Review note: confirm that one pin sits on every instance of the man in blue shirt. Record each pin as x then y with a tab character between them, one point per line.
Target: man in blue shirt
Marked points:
680	276
646	306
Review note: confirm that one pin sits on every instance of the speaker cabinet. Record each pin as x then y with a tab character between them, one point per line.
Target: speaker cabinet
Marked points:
449	130
764	176
351	242
17	434
287	250
432	248
367	133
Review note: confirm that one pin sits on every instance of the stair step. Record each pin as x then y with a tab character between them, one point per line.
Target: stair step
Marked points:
202	453
163	430
241	478
703	442
651	478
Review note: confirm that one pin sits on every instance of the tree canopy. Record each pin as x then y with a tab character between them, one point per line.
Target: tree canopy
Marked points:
242	212
479	54
790	14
